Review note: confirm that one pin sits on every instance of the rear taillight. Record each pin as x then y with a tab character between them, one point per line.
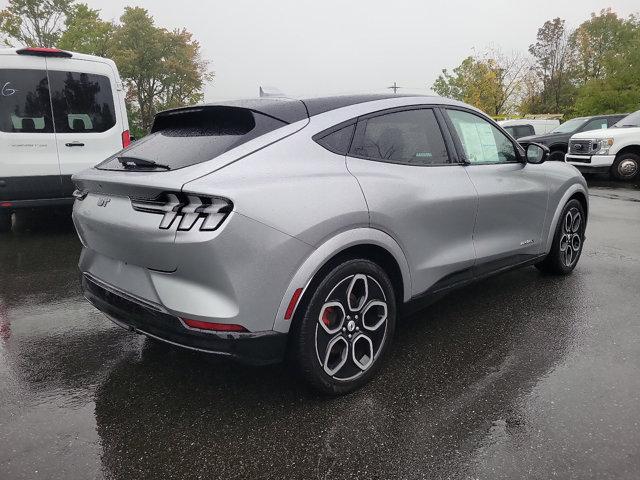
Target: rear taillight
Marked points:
186	209
126	139
214	327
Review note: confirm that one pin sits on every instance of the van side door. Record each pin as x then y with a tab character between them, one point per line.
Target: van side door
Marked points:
87	119
29	167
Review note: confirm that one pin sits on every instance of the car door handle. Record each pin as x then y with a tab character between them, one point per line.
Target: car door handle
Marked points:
74	144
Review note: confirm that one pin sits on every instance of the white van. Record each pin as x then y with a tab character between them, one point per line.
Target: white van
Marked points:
524	127
60	112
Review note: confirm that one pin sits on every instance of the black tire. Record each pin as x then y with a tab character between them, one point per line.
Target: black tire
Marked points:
320	338
626	167
568	240
5	222
556	156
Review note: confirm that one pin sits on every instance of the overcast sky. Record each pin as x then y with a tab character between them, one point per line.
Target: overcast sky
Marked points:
329	46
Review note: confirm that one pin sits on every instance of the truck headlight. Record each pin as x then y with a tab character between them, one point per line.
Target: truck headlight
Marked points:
602	146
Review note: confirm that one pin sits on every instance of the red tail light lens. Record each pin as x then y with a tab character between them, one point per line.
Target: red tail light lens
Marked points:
126	139
214	327
44	52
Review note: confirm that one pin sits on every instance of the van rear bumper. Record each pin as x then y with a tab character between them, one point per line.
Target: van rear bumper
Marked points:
257	348
38	203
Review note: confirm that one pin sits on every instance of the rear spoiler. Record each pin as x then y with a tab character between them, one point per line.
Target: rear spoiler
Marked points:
284	109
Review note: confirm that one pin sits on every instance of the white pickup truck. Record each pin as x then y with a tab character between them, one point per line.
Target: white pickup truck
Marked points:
615	150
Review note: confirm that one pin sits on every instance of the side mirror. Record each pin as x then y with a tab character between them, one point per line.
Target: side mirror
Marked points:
535	152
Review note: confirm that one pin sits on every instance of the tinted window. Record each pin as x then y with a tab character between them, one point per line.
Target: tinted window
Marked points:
632	120
186	137
339	140
24	101
519	131
482	142
411	137
524	131
82	102
595	124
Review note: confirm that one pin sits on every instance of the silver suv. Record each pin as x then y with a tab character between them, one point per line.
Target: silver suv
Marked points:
255	229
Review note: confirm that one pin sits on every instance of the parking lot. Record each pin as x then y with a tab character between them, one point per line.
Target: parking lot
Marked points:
518	376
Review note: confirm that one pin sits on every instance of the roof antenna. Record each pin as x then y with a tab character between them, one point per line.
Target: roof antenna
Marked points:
394	87
266	92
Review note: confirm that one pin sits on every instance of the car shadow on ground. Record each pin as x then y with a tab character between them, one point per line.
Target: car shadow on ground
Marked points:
473	350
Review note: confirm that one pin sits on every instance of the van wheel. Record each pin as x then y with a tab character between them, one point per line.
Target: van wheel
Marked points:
556	156
345	328
567	241
5	221
626	167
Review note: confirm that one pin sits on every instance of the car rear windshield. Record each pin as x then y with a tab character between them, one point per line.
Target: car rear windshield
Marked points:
186	137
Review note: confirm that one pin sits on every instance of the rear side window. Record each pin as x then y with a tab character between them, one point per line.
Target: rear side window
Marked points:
519	131
338	141
410	137
186	137
82	102
24	101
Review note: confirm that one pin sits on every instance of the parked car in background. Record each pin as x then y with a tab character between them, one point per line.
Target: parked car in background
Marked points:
252	229
60	112
558	139
616	150
524	127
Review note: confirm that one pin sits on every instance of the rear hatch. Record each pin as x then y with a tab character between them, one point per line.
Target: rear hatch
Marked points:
130	206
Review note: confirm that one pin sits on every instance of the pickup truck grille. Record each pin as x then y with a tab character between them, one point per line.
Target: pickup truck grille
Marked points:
582	147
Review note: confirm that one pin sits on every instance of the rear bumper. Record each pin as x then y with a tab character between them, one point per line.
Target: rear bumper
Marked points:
38	203
256	348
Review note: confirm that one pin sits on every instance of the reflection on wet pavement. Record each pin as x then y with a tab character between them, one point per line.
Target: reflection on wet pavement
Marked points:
517	376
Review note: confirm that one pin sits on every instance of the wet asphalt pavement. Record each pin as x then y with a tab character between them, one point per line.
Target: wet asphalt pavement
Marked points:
520	376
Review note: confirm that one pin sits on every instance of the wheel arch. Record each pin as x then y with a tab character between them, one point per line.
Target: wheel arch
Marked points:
563	147
575	191
368	243
628	149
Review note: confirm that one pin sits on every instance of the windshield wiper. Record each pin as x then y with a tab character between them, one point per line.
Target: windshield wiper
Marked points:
135	162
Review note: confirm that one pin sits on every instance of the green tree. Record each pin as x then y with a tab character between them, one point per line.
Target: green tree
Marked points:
490	83
596	39
160	68
86	32
555	62
617	89
33	23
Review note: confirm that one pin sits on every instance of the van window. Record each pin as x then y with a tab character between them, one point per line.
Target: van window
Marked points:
24	101
82	102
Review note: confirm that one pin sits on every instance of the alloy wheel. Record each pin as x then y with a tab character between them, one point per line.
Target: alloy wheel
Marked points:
571	239
351	327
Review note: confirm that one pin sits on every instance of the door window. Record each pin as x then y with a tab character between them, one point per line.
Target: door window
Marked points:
410	137
482	142
595	124
24	101
82	102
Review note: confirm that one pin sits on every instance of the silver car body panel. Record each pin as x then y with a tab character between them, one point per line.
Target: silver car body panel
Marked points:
296	205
